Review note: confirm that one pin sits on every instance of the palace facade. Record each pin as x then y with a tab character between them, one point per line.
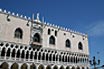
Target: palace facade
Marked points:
27	43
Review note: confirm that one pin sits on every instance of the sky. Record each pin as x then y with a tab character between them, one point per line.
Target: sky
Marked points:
86	16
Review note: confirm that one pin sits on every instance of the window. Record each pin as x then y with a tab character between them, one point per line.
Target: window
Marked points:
55	33
68	44
49	31
36	38
80	46
18	33
52	40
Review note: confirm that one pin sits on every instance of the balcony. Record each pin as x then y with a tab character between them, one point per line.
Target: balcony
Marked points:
36	45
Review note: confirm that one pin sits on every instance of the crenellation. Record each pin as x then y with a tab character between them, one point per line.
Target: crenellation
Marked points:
17	15
0	10
9	12
13	13
5	11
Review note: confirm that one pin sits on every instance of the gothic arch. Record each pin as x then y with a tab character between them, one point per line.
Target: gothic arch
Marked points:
18	54
8	52
31	55
23	54
13	52
41	67
4	65
24	66
37	38
61	67
55	67
27	54
18	33
73	67
67	67
78	67
80	46
68	43
48	67
14	66
3	51
32	66
52	40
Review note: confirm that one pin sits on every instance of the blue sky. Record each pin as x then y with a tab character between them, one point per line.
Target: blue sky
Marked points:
86	16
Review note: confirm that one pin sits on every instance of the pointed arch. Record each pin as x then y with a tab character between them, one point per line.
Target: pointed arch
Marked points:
23	54
27	54
61	67
24	66
67	67
80	46
73	67
8	52
14	66
55	67
31	55
48	67
18	54
13	53
3	52
32	66
37	38
52	40
41	67
4	65
18	33
68	43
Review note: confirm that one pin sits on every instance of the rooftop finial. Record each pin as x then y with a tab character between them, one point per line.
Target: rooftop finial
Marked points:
38	16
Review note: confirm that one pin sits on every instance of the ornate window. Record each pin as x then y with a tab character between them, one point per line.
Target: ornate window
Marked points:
68	44
80	46
49	31
18	33
36	38
55	33
52	40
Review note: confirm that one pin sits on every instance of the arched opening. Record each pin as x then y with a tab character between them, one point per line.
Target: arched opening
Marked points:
39	56
13	53
18	33
73	67
47	57
61	67
23	54
52	40
32	66
43	56
55	67
14	66
41	67
67	43
50	57
48	67
36	38
53	57
4	66
80	46
35	56
8	52
27	54
78	67
63	58
31	55
59	57
67	67
82	67
3	52
24	66
18	54
56	57
49	31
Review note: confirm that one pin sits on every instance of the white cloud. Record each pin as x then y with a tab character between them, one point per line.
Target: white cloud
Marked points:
96	29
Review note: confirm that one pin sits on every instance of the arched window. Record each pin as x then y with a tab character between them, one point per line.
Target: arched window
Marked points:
80	46
36	38
3	52
49	31
68	44
52	40
18	33
8	52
